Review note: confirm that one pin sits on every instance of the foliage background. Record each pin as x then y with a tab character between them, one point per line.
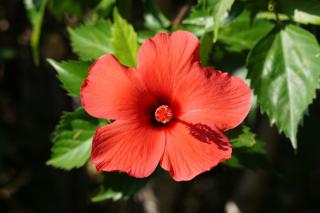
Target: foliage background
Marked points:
274	178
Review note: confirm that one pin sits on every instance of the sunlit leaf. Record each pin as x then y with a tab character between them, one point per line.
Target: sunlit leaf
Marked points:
199	17
106	195
72	140
198	22
272	16
155	20
124	40
219	11
306	12
208	15
71	74
91	40
284	70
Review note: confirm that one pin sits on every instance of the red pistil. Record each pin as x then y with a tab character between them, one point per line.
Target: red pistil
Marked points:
163	114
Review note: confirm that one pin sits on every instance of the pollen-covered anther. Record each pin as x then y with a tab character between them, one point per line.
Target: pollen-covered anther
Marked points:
163	114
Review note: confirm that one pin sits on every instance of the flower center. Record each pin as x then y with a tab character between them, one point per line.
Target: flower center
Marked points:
163	114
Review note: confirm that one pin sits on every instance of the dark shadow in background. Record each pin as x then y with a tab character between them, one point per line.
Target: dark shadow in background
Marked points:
31	102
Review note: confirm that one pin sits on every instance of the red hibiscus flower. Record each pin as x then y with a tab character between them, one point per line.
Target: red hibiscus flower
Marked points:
167	110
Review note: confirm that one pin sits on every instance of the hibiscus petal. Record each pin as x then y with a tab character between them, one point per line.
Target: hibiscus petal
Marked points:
165	57
223	99
110	90
127	147
193	148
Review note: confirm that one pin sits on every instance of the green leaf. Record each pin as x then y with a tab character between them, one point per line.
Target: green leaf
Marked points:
258	6
106	195
90	41
253	157
118	186
234	162
247	151
7	53
105	7
219	11
199	17
206	47
272	16
35	15
154	19
199	22
242	34
68	154
245	139
284	72
124	40
71	74
72	140
60	8
207	16
305	12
